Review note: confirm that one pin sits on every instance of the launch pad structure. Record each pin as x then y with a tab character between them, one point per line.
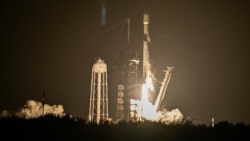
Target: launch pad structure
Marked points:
130	98
129	91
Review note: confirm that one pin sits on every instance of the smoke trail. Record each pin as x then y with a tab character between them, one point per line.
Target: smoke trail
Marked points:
34	109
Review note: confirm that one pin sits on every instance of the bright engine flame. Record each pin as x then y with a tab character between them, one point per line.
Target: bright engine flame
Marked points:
149	110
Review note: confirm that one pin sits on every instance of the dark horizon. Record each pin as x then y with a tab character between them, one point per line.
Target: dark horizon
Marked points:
51	46
78	129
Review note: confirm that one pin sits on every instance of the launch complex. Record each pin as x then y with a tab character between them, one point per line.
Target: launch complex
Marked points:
132	94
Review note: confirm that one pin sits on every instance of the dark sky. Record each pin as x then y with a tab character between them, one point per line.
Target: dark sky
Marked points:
51	46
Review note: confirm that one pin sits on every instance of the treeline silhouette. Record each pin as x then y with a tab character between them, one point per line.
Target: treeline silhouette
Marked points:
50	127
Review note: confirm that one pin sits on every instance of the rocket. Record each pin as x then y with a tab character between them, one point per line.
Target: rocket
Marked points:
146	41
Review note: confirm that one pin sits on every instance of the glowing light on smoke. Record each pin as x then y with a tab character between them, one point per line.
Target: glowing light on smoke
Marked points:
5	113
173	116
34	109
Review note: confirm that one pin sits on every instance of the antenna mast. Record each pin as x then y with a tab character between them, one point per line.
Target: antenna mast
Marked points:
43	103
128	31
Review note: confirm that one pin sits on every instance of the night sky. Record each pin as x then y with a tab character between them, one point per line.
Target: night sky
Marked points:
51	46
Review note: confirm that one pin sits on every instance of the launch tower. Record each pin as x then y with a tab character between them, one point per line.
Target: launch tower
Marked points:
129	93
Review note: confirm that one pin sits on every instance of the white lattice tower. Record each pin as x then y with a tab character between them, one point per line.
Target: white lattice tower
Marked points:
98	107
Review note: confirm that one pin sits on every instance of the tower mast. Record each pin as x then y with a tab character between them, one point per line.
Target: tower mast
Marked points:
43	103
128	31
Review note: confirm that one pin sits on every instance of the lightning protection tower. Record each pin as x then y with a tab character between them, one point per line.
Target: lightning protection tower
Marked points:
98	107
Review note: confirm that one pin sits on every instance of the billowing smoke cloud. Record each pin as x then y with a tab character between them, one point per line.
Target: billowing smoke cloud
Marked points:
5	113
173	116
34	109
